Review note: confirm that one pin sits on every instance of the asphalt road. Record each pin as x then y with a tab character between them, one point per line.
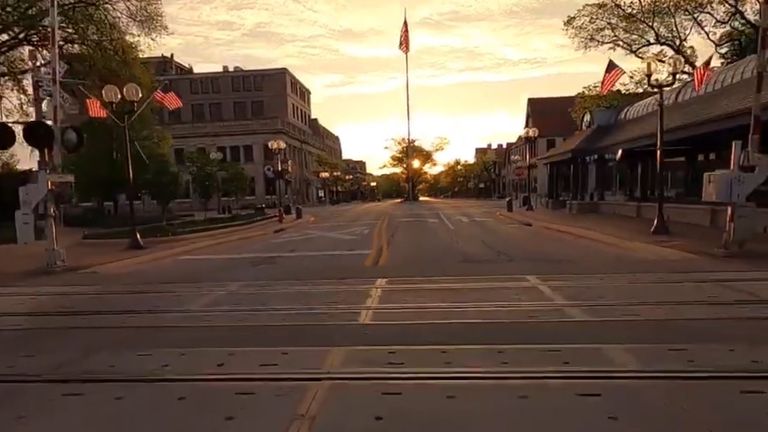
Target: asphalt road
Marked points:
438	315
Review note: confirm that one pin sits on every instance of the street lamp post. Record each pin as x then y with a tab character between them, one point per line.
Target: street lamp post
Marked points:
216	157
530	135
336	176
132	94
324	176
675	66
277	146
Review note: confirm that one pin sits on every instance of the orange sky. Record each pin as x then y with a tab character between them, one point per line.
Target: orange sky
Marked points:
473	63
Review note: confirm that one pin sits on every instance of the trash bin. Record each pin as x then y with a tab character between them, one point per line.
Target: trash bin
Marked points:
510	205
287	209
525	201
299	212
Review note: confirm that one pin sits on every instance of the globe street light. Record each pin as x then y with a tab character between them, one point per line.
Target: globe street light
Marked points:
278	146
416	164
675	65
530	135
216	157
132	94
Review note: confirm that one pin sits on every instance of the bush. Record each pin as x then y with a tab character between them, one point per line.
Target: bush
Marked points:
94	217
178	228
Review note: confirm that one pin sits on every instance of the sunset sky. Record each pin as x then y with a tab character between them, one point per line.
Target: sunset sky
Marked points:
473	63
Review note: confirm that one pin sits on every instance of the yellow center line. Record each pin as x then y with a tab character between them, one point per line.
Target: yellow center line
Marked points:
375	243
307	411
384	242
371	302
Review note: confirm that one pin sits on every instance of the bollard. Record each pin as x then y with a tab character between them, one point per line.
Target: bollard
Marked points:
510	205
280	215
299	212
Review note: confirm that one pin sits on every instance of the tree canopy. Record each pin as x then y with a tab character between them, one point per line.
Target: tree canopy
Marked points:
85	26
643	28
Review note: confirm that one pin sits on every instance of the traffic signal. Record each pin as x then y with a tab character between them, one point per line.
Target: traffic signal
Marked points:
40	136
72	139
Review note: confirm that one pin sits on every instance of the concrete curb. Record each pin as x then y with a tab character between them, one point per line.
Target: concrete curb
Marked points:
159	255
655	251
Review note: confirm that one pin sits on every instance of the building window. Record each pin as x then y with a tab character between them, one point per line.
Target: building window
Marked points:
214	110
215	85
174	116
257	108
551	143
240	110
248	153
237	83
252	186
247	83
194	86
198	112
223	151
178	156
205	86
234	154
258	83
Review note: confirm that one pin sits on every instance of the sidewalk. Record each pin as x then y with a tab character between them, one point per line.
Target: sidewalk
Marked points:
24	261
614	229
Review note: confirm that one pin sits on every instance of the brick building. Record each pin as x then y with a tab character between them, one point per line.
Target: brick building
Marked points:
237	112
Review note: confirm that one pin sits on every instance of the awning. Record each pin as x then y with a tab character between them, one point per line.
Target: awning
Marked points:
575	144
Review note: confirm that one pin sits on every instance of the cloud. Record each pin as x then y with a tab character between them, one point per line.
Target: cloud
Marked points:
469	55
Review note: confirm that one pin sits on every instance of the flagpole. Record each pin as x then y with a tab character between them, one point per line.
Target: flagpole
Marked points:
408	151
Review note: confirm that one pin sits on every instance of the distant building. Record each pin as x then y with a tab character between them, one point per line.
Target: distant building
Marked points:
552	117
355	166
492	161
237	112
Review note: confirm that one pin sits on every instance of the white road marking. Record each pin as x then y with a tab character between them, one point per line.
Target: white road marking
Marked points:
344	223
618	355
482	219
205	300
274	255
348	234
417	220
445	219
371	302
463	218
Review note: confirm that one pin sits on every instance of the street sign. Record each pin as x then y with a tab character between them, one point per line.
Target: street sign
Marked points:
519	172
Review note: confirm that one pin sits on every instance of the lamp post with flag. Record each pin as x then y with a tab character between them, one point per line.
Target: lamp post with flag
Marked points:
132	93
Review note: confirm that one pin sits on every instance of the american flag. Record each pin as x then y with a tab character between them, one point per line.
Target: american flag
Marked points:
702	74
613	74
405	39
95	109
168	100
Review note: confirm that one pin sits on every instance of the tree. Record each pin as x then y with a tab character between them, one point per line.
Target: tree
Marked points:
234	183
590	99
391	185
9	162
399	160
202	171
162	183
660	27
85	26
